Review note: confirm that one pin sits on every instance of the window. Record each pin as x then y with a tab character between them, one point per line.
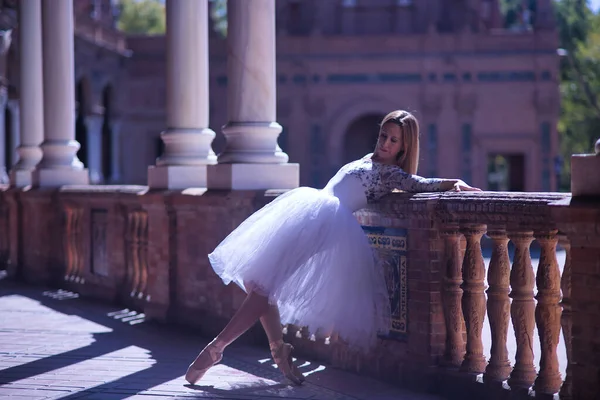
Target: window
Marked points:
95	9
466	152
432	152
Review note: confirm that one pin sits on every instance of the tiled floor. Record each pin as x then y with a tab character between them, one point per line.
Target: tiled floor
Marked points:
56	346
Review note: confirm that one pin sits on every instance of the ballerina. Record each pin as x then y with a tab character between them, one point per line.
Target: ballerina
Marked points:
304	259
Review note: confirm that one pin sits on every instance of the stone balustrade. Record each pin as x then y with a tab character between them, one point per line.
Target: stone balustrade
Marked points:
147	250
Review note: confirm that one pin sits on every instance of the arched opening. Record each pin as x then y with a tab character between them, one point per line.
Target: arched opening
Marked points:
107	135
361	137
81	132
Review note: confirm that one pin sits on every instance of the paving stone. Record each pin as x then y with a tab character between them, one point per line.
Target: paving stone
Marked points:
72	349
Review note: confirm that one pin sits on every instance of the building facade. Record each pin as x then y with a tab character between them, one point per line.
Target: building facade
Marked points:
486	97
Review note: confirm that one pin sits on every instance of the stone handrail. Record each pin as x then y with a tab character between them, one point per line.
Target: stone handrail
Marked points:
462	220
520	219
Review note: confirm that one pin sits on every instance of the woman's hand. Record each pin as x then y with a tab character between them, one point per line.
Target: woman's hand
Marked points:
461	186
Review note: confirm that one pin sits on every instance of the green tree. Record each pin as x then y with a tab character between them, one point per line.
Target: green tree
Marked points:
512	10
218	14
579	125
142	17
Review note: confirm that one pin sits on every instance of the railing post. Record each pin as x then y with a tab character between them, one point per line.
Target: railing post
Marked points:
452	295
522	309
498	306
566	390
547	313
473	300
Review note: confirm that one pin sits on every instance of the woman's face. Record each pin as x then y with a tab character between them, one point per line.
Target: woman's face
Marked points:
389	143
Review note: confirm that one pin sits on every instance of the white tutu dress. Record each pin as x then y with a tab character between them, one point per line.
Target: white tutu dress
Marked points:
306	251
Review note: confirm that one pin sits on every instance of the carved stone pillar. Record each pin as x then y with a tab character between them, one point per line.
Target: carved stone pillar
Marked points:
522	310
15	132
59	165
73	240
473	300
187	138
31	99
452	295
498	306
547	313
3	134
252	159
566	390
93	123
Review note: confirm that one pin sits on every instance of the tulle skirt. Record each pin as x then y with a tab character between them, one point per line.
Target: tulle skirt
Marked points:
310	256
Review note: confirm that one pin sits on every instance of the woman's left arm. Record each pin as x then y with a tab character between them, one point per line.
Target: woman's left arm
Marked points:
457	185
396	178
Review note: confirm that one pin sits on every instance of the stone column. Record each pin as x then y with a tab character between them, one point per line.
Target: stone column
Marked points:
31	102
252	159
59	165
15	131
3	133
93	123
187	138
115	159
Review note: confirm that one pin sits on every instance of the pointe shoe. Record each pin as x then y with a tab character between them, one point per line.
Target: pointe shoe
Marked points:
282	355
207	358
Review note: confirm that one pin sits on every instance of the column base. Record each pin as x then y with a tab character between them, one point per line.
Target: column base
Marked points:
583	181
56	177
177	177
253	176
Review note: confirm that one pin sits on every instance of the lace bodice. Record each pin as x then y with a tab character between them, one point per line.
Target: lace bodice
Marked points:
376	180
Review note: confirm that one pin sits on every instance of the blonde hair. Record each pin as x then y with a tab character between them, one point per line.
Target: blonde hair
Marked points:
408	157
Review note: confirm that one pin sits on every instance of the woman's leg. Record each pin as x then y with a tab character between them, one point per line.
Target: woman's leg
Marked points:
253	307
281	352
271	322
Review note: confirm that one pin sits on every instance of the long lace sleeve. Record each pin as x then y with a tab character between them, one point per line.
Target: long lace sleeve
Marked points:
396	178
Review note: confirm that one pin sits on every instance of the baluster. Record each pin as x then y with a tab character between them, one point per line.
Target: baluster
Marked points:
127	239
498	307
135	262
69	243
522	310
473	299
78	244
4	234
547	313
452	295
143	253
566	391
